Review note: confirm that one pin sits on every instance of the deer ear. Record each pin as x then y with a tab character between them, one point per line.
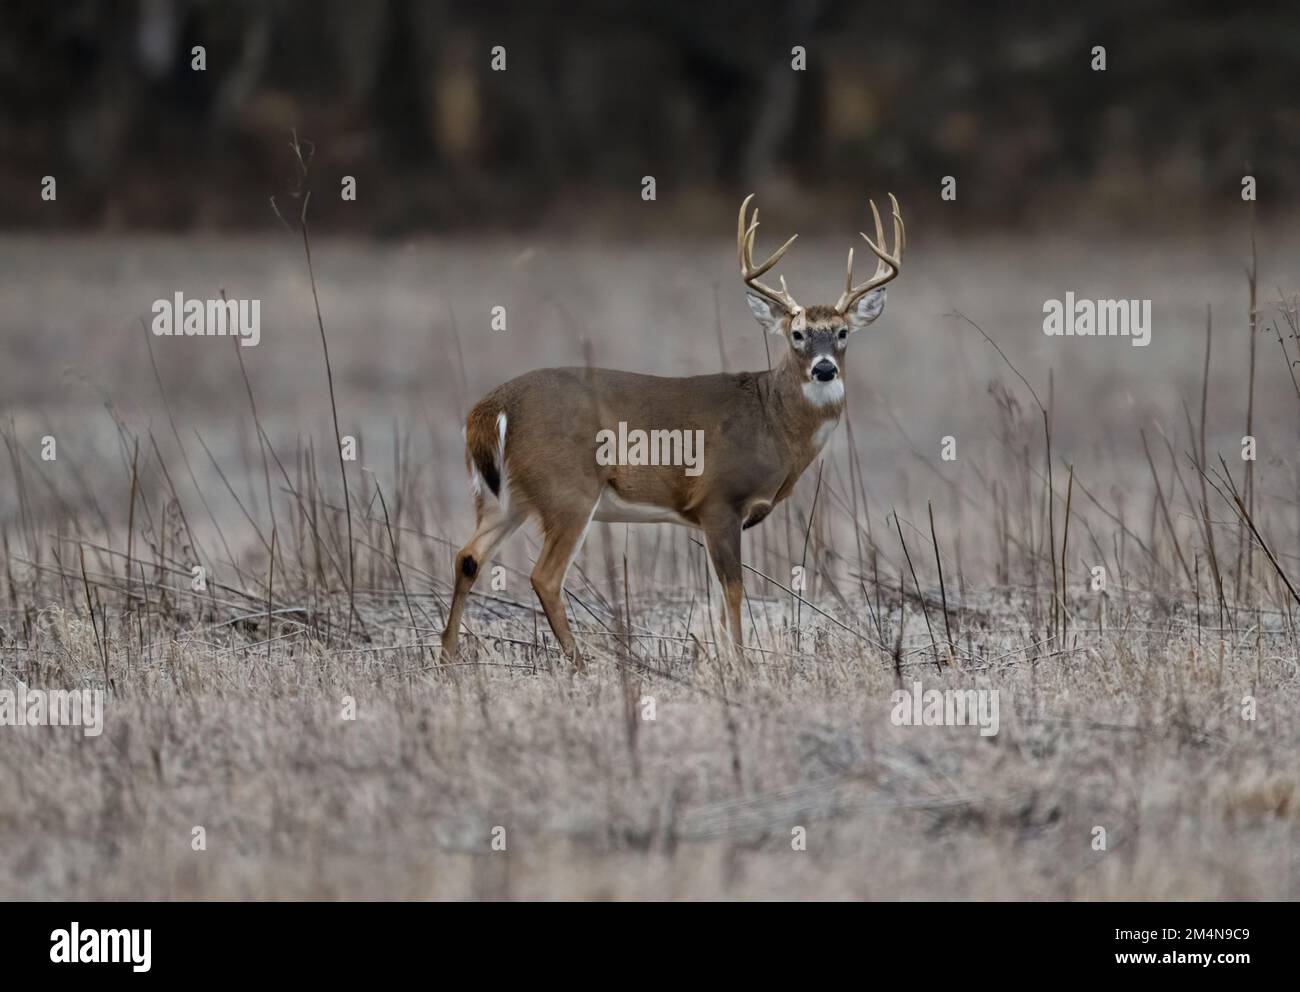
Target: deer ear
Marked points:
767	313
866	309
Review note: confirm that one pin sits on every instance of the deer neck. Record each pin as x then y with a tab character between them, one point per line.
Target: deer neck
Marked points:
805	412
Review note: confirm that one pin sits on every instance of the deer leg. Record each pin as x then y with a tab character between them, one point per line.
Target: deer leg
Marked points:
563	538
722	538
495	524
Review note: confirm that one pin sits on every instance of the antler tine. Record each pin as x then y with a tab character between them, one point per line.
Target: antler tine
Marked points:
745	234
772	259
887	266
900	230
741	233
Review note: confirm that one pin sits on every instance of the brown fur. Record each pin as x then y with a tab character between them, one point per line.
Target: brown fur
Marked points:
758	439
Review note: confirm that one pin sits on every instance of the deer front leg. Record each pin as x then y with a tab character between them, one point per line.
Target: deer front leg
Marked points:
722	538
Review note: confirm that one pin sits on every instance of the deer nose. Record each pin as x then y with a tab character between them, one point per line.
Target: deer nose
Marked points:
824	371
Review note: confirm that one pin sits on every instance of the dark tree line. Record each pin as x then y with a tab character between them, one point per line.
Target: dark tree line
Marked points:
702	95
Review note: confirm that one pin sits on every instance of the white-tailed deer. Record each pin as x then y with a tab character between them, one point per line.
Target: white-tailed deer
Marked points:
542	445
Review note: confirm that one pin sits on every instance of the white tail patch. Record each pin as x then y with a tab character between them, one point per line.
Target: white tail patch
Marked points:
504	497
476	480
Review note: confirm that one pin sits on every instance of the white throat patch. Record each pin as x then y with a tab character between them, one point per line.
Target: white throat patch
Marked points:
823	433
824	393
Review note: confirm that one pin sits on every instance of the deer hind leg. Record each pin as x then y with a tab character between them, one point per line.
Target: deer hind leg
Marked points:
722	538
564	534
495	523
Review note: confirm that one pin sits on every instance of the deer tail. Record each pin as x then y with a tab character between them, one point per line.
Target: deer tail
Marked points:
485	446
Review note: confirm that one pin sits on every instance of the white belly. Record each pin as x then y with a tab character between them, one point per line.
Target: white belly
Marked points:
612	509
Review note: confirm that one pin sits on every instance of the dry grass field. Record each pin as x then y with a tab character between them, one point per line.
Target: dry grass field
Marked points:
226	708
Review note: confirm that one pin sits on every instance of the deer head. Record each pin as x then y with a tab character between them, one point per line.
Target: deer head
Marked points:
818	335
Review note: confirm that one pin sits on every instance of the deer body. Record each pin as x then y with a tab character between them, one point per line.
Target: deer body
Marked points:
758	437
532	447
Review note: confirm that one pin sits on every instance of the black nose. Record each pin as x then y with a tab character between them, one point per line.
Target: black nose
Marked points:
824	371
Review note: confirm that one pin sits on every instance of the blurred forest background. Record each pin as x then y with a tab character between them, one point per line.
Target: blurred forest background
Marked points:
596	95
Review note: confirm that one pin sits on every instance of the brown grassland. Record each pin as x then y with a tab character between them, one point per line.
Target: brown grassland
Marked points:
1121	709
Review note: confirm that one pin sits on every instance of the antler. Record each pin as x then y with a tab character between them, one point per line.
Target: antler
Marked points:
751	272
887	266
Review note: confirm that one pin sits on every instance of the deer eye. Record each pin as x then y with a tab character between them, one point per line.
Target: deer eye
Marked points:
844	333
797	336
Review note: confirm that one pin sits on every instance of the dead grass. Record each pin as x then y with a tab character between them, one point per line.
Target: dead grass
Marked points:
1121	710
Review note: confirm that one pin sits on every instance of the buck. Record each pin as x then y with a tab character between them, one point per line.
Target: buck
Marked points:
531	444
